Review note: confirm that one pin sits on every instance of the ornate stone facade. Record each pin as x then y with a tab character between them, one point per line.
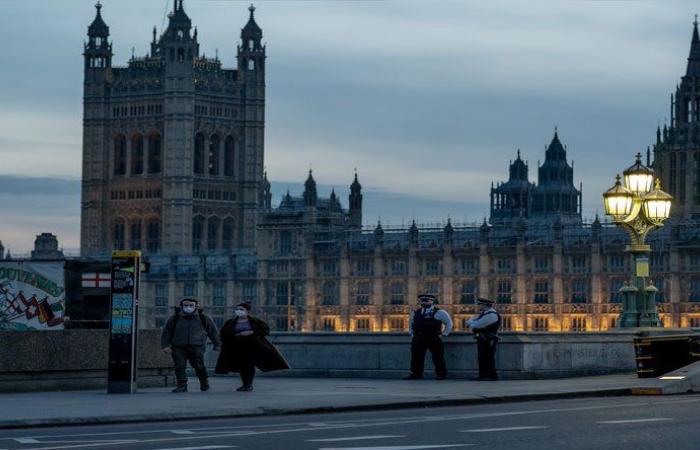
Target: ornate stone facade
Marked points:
313	267
172	144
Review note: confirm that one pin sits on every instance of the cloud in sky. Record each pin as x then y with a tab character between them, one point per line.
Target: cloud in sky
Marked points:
428	100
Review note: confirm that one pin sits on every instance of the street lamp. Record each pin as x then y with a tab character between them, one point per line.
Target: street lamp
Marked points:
638	209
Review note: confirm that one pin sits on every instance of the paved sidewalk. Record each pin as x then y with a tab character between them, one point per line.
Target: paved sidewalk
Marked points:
287	396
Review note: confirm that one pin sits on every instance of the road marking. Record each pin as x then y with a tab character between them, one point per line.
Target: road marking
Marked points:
144	441
206	447
488	430
400	447
89	441
361	423
27	441
354	438
659	419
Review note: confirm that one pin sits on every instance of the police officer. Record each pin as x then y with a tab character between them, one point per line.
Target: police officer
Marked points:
485	327
427	325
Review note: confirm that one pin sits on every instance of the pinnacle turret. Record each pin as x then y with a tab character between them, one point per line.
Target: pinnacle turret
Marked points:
693	69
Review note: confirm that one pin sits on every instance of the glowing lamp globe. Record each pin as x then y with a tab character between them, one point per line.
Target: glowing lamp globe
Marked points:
639	178
618	201
657	204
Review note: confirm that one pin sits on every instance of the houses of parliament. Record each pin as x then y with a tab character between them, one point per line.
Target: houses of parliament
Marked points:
173	154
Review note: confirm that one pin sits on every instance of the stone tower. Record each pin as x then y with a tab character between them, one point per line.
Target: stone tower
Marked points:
677	148
512	198
173	143
555	196
355	203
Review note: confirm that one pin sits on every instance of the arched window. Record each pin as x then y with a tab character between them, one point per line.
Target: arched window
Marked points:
227	234
285	242
118	235
329	293
251	64
212	233
197	233
136	235
137	154
397	293
120	155
229	157
214	155
154	156
180	54
153	236
199	154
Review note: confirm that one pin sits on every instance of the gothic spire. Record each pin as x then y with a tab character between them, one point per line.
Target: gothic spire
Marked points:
694	56
310	194
98	27
555	151
252	26
355	186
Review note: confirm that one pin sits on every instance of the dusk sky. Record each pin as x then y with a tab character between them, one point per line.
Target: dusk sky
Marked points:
429	100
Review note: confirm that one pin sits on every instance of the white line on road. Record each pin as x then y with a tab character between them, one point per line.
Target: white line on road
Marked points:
354	438
361	423
658	419
144	441
488	430
400	447
27	441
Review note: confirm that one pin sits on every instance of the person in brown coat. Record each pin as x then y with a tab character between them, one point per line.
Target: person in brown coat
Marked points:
244	347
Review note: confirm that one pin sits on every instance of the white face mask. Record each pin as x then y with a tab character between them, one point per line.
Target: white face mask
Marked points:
240	312
188	309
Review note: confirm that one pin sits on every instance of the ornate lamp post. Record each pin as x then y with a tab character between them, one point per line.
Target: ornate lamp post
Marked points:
638	207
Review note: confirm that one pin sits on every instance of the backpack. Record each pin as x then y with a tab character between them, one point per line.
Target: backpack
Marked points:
200	313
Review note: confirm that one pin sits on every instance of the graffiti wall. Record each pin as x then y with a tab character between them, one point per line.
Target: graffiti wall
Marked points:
32	295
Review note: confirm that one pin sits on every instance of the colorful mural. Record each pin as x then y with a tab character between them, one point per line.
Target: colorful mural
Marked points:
32	295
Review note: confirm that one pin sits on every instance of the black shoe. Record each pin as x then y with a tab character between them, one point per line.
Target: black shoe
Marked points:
180	388
204	385
413	377
245	388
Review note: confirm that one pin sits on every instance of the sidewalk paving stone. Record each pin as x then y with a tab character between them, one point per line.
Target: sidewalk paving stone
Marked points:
287	396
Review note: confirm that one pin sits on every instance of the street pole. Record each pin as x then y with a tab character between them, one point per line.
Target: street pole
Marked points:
638	209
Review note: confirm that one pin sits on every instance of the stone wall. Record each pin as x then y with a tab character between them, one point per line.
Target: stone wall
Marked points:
73	359
520	355
77	359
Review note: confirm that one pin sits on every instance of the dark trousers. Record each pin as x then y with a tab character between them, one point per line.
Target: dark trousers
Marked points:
419	346
195	355
247	346
486	349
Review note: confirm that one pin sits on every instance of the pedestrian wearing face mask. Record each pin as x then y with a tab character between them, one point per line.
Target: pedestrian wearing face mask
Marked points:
245	347
185	337
428	325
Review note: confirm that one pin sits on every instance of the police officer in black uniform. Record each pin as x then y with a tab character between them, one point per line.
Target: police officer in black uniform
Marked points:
426	328
485	327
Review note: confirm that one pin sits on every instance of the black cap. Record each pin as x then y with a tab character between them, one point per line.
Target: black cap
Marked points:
188	299
430	297
485	301
245	305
